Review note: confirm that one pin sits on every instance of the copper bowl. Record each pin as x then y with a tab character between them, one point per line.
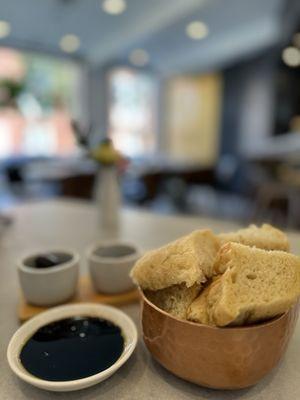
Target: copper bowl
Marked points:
218	358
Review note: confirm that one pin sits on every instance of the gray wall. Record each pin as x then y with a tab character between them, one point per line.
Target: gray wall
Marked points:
249	98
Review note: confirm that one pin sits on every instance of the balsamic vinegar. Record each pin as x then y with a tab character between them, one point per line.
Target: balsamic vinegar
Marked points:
72	348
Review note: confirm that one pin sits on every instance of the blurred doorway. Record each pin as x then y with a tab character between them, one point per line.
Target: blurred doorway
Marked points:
193	108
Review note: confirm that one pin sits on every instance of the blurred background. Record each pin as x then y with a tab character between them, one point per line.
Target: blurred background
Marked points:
201	96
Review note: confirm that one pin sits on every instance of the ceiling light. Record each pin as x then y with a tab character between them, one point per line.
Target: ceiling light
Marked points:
4	29
139	57
114	7
291	56
197	30
69	43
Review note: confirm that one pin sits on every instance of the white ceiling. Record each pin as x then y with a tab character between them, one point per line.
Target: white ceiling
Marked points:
237	27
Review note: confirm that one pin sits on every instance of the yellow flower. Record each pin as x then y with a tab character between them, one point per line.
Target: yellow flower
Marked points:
105	153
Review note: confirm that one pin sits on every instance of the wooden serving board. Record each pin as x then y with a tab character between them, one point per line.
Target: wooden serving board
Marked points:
85	294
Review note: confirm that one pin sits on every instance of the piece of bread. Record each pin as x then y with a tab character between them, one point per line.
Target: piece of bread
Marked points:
175	299
197	310
265	237
256	285
187	260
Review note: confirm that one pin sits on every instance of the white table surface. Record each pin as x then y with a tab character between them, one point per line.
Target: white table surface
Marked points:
75	225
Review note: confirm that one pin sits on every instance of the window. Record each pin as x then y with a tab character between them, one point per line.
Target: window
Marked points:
132	111
36	121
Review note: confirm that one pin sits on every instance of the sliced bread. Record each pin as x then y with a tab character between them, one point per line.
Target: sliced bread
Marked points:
175	299
256	285
197	310
188	260
265	237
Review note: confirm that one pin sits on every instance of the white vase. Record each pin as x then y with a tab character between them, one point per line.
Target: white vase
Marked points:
108	198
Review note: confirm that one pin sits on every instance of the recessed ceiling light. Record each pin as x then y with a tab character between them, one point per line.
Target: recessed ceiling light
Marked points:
4	29
197	30
291	56
139	57
114	7
69	43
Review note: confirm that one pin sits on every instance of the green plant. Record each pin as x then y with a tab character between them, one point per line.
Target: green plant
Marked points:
9	92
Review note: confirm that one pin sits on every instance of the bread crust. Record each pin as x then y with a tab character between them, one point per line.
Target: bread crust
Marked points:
254	285
265	237
175	299
188	260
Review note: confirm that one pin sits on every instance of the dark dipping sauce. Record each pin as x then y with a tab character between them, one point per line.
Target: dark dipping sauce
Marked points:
47	260
72	348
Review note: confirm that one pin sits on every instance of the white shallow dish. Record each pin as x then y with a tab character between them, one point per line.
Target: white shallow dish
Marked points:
112	314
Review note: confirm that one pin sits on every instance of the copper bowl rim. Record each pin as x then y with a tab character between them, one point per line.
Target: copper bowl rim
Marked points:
260	325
